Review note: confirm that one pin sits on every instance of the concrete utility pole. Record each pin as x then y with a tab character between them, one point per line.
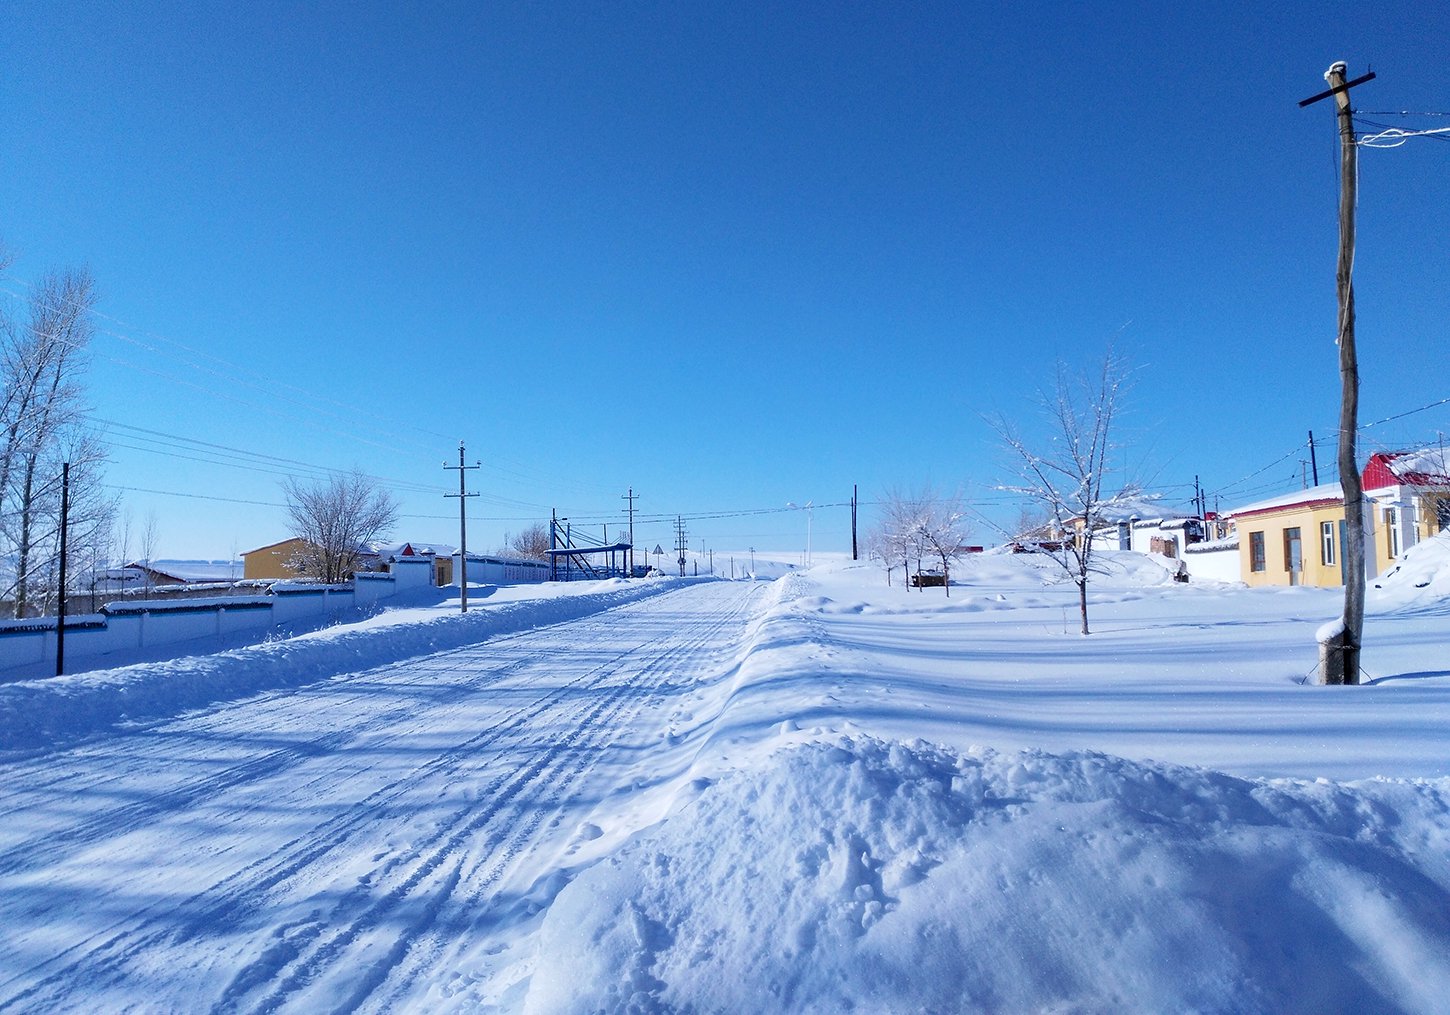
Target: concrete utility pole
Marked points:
61	604
462	496
631	497
1339	653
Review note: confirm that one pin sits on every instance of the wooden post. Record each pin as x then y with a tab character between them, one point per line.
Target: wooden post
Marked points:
1339	654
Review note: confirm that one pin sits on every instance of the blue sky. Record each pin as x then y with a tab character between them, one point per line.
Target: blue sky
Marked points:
733	256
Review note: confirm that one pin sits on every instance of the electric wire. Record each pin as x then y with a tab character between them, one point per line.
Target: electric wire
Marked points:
308	400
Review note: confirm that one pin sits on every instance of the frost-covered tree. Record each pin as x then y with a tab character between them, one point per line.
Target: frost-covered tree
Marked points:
336	518
913	526
1065	476
943	530
43	425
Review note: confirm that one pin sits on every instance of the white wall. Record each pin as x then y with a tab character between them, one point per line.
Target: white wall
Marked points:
27	648
487	570
1220	564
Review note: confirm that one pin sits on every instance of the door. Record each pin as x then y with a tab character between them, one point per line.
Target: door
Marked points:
1294	555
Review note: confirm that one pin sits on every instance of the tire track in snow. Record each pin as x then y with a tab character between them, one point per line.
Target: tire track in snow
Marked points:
560	766
105	824
430	869
189	919
481	886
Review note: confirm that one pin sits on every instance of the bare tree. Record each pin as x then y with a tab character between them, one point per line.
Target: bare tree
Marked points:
880	549
148	547
336	518
1066	479
532	543
916	525
42	424
943	530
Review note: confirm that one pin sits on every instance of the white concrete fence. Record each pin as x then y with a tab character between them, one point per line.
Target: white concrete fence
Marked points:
29	645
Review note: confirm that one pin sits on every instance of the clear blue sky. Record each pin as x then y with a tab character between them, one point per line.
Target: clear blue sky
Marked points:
732	255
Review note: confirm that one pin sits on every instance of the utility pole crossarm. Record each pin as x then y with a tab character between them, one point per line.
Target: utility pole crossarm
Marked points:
1336	90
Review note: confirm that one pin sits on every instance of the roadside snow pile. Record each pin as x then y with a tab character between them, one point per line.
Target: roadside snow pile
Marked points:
1420	575
51	712
876	876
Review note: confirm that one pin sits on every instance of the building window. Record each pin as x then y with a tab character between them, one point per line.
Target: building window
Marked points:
1326	542
1257	557
1392	526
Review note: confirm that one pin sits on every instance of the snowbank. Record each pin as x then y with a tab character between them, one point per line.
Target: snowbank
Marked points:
878	876
1420	576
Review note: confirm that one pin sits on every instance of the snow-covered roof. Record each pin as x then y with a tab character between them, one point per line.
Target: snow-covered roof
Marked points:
190	572
1425	467
1324	493
1138	507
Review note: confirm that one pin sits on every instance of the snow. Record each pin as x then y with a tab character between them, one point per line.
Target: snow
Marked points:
813	794
867	875
1430	463
1314	494
56	710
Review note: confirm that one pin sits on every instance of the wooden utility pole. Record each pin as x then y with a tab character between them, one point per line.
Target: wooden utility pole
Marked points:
1339	653
855	553
462	496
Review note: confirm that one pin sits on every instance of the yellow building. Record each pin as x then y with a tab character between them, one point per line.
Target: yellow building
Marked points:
273	560
1297	539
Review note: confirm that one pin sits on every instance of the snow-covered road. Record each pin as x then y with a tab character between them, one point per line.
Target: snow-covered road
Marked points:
334	847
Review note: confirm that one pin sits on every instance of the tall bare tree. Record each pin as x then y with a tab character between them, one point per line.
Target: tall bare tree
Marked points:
1065	476
532	543
337	518
42	424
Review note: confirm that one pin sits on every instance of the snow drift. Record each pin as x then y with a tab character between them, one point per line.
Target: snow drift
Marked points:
879	876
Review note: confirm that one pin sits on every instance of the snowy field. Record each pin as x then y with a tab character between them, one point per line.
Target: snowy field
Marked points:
811	794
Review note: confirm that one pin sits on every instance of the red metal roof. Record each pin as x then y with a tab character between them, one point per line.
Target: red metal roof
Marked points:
1405	468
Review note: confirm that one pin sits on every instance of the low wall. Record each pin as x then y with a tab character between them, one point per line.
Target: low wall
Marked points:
27	647
1218	563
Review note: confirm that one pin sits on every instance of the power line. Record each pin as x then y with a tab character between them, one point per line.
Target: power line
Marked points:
307	399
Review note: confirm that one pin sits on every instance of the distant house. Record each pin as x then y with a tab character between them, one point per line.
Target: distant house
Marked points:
1411	495
1146	525
1298	538
1294	539
275	560
381	556
150	574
